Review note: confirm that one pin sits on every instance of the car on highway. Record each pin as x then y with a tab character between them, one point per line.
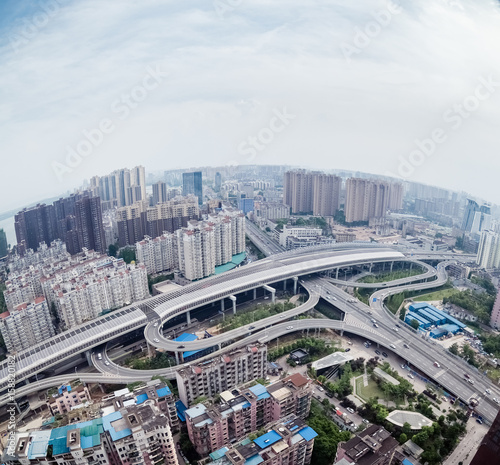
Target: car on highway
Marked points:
181	347
251	327
350	410
488	391
156	324
406	346
437	365
471	381
334	298
99	356
384	354
282	316
392	346
496	400
289	327
397	326
395	329
466	375
156	339
106	363
375	325
377	352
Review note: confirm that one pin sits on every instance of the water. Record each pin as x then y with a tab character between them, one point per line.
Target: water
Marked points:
8	226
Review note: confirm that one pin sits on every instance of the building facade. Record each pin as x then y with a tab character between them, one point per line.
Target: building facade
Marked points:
365	199
192	184
488	255
26	325
222	373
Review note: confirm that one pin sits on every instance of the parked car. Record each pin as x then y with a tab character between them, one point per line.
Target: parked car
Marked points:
410	376
377	352
384	354
347	350
350	410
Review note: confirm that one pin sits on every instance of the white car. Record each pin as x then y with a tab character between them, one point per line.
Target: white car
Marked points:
496	400
488	391
289	327
392	346
282	316
156	324
410	376
156	339
106	363
396	329
350	410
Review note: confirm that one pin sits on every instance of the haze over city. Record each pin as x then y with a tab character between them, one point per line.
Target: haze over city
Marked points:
243	232
357	100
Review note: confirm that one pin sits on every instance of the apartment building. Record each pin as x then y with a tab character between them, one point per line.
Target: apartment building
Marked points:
289	232
136	434
242	411
288	442
271	210
26	325
365	199
121	187
222	373
488	254
68	397
315	192
158	254
203	245
495	313
138	220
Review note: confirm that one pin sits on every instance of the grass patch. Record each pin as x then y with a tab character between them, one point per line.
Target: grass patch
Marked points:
437	295
391	276
365	392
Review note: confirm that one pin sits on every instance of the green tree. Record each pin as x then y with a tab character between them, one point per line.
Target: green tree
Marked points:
454	349
128	254
414	324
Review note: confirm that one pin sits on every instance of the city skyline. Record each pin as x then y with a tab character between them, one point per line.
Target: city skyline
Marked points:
388	86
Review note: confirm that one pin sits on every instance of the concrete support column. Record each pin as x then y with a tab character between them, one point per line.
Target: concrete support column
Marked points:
272	291
222	305
411	265
177	358
255	294
284	285
392	264
371	266
383	266
337	274
341	332
233	298
295	282
188	317
88	356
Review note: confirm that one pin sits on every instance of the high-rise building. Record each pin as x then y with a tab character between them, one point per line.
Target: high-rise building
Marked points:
481	222
158	254
89	224
365	199
470	211
192	184
271	210
136	221
3	244
159	192
326	194
298	191
396	193
26	325
121	187
218	182
35	225
488	255
222	373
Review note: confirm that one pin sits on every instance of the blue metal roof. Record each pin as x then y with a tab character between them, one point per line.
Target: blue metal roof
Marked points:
163	392
191	352
407	462
181	408
218	453
115	435
308	433
141	398
186	337
254	460
267	439
258	389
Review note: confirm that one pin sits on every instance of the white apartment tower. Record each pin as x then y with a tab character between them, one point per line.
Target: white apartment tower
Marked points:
365	199
158	254
488	255
26	325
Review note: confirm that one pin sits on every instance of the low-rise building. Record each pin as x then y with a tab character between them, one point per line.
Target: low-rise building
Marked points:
67	398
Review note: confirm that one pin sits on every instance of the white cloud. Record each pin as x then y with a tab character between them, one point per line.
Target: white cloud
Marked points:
226	76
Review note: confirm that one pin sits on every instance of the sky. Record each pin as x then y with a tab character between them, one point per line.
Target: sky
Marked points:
409	89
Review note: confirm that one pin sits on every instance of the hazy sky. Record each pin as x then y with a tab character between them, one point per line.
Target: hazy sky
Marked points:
173	84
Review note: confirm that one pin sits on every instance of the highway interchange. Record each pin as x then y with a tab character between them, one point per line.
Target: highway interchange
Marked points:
421	354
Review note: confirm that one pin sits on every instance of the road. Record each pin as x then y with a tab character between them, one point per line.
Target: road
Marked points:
261	240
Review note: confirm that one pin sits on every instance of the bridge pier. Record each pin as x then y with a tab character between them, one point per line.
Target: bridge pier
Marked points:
284	285
255	294
371	266
272	290
295	282
337	273
88	356
222	305
233	298
188	317
383	266
411	265
392	264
